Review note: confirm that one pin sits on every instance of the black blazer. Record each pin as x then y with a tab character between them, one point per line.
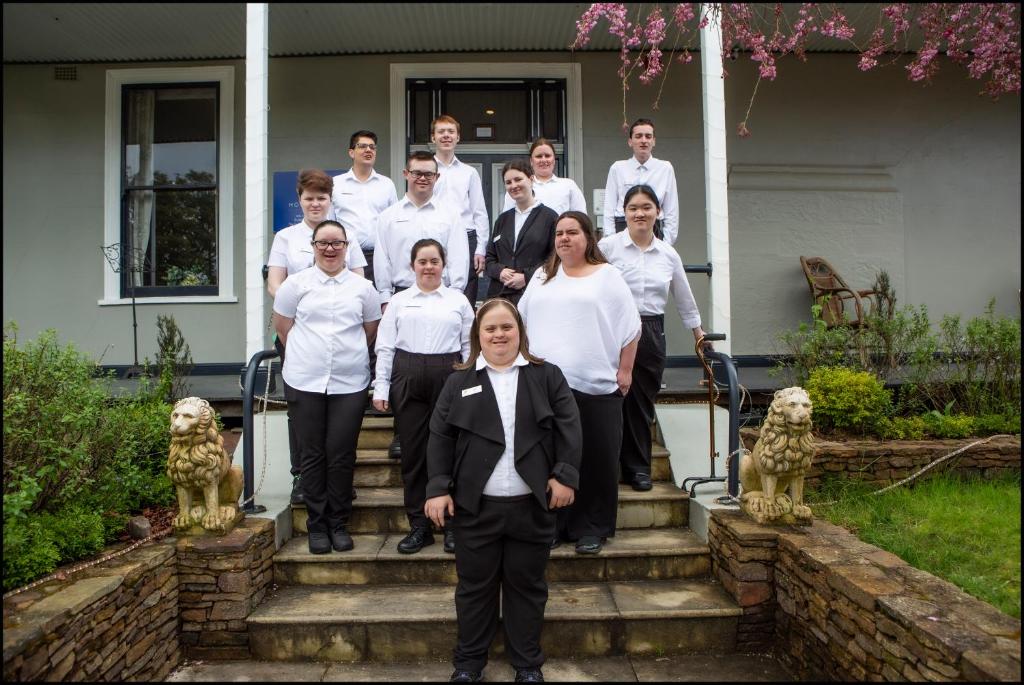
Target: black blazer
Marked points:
536	242
467	439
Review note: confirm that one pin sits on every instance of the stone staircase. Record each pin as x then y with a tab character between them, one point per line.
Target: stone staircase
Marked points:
647	593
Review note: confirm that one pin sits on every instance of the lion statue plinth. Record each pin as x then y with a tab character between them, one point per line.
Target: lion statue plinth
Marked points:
772	475
208	486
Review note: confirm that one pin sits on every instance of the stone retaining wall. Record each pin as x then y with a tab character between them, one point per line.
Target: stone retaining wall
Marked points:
116	621
845	610
883	462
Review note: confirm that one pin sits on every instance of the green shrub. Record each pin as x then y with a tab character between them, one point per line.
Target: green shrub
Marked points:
993	424
68	447
902	428
944	426
848	400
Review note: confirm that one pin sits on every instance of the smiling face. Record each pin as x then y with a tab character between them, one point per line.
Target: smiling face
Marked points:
332	259
499	335
518	185
364	152
641	211
641	142
428	266
421	177
315	205
570	241
543	159
445	136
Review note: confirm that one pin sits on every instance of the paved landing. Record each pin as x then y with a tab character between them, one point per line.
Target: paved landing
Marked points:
744	668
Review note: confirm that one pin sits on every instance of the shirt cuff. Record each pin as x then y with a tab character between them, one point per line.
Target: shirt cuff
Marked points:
382	390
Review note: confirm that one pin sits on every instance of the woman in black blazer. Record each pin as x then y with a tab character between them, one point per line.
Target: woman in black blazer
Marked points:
504	452
522	238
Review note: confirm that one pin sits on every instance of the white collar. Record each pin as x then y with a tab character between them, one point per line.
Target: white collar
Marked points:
322	276
352	174
407	201
418	293
528	209
520	360
628	239
646	164
544	183
455	161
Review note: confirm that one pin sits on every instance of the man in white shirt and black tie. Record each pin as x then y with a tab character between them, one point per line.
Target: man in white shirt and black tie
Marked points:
642	169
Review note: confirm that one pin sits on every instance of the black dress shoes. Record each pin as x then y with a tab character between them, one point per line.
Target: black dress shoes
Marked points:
297	497
529	675
461	676
395	448
341	540
449	541
319	543
555	542
588	544
641	482
416	540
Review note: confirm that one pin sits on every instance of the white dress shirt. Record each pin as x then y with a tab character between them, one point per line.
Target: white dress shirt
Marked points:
326	346
398	229
520	218
560	194
658	174
505	481
580	324
460	188
650	274
292	250
422	323
355	204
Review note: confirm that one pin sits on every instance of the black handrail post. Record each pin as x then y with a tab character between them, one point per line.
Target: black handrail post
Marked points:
734	421
248	464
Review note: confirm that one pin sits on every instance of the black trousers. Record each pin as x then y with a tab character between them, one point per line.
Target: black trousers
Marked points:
368	269
416	383
504	547
293	442
597	501
473	281
638	405
659	230
327	427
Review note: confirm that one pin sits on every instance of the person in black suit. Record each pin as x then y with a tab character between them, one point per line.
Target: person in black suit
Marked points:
504	452
523	237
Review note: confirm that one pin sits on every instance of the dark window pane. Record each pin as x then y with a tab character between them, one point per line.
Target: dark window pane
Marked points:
500	112
170	135
421	115
551	115
186	238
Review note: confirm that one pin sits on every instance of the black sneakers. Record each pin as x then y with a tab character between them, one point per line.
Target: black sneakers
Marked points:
461	676
319	543
529	675
341	540
416	540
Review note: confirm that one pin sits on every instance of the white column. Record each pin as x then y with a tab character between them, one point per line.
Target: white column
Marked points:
716	191
256	52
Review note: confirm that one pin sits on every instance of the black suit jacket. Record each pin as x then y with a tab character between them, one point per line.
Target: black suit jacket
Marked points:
467	438
536	242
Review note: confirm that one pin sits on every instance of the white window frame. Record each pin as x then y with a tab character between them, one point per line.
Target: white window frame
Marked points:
116	80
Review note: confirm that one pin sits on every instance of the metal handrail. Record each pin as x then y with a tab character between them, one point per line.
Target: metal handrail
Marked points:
732	378
248	439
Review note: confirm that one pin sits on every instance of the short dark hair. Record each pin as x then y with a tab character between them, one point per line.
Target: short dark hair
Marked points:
314	179
642	189
420	156
640	122
330	222
427	242
361	134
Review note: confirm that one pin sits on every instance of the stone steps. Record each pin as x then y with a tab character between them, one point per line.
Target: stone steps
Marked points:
643	554
403	622
380	509
375	469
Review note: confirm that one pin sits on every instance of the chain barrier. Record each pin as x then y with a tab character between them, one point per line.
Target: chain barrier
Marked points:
265	398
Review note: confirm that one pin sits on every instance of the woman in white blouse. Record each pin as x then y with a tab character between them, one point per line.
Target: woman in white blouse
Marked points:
292	252
325	317
423	334
651	268
560	194
581	317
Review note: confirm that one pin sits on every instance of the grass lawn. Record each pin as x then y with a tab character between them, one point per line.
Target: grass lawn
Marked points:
964	531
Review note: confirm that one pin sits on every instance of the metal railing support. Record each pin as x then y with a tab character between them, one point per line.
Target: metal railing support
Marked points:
248	438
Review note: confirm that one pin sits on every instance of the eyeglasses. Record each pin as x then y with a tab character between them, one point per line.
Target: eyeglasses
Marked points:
365	146
336	244
425	175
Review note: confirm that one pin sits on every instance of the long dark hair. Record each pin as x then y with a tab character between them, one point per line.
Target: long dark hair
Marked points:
644	189
474	333
592	255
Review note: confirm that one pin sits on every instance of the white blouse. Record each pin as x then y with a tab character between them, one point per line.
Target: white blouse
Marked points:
651	274
292	250
326	346
355	204
421	323
505	481
580	324
560	194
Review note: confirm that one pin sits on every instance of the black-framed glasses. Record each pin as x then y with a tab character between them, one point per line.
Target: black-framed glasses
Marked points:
365	146
425	175
324	244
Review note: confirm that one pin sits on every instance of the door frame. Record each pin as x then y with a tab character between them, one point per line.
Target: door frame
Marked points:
483	70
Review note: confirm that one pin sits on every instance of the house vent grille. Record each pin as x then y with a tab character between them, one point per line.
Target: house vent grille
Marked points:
65	73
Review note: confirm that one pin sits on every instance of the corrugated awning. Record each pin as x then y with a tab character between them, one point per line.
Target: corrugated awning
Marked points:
124	32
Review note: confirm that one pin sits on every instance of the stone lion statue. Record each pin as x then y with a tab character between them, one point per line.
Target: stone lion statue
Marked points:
208	486
779	461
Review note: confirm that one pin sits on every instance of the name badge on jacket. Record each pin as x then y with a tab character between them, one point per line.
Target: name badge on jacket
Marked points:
472	391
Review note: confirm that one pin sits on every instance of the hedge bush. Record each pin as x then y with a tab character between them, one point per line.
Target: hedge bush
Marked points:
77	463
849	400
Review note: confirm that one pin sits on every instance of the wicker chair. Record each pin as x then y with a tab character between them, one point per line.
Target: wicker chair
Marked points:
840	304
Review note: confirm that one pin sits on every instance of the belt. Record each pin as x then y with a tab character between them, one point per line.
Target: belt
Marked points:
442	359
513	498
399	288
646	318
